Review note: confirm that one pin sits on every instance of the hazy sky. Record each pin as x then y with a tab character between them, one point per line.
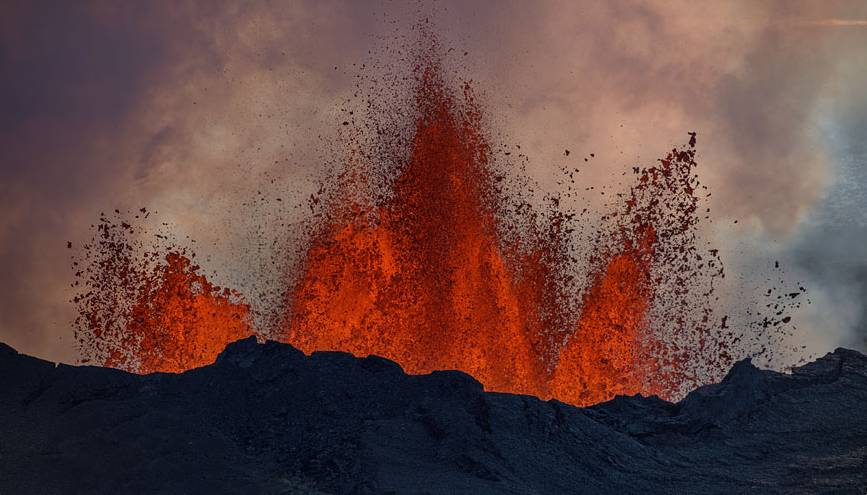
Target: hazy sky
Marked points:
186	107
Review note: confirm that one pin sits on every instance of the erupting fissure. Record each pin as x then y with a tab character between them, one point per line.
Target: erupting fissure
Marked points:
425	279
425	276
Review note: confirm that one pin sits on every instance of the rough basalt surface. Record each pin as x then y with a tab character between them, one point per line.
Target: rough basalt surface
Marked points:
265	418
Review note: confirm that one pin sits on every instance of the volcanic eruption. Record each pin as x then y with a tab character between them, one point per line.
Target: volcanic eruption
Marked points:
421	278
436	270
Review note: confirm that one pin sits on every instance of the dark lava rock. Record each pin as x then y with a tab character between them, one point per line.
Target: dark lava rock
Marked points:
265	418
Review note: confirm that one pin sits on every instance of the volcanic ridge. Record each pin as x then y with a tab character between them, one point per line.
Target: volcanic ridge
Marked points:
266	418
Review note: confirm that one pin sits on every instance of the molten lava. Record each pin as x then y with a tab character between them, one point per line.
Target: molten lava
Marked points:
182	321
426	276
421	279
153	313
604	357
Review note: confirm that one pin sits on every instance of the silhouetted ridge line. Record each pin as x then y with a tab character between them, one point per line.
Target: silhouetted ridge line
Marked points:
266	418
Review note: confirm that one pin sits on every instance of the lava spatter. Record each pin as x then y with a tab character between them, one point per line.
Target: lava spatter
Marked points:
426	277
420	251
150	309
605	356
646	310
421	278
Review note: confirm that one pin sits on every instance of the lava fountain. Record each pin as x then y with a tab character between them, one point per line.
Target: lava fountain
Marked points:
617	348
426	279
421	278
433	275
151	310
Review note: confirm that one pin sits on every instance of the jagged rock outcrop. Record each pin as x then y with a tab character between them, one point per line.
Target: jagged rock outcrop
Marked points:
265	418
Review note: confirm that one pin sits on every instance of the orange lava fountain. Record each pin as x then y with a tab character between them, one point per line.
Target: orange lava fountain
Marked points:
182	321
432	276
155	312
421	279
616	349
603	357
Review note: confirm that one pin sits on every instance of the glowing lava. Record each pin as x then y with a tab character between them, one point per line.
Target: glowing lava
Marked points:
182	321
155	312
421	279
424	275
604	357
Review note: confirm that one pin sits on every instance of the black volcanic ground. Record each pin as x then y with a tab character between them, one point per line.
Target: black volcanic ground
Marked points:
267	419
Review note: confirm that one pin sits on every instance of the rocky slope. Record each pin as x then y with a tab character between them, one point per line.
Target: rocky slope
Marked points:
265	418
